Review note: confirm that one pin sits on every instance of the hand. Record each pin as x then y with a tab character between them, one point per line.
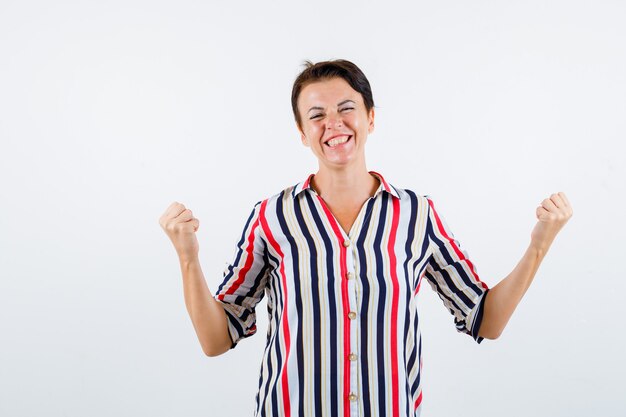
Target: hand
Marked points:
552	215
180	226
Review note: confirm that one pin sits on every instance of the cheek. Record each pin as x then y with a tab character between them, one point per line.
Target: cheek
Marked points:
316	130
354	122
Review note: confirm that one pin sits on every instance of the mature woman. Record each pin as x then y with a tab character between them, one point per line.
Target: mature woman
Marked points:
341	256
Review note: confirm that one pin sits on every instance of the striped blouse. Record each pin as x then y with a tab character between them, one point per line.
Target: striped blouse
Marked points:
343	336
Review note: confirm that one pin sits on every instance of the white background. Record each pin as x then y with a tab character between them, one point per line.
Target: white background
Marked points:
110	111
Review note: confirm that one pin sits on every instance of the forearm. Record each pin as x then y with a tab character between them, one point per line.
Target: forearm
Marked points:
503	298
207	315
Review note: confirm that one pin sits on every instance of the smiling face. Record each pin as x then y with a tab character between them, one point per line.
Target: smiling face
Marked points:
335	122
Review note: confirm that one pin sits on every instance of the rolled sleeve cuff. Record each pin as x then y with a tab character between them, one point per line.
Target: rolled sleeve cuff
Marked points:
478	318
236	327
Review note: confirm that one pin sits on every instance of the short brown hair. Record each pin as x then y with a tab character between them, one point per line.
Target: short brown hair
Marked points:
325	70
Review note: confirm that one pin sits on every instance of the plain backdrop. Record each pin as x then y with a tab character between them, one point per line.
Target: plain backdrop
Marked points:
110	111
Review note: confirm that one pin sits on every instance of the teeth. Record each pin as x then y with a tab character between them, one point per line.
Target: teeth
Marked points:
338	141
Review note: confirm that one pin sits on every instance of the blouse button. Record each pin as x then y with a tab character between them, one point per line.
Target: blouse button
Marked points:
350	275
352	356
346	243
352	315
352	396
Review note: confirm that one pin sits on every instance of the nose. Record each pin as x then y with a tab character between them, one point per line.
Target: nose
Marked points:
333	121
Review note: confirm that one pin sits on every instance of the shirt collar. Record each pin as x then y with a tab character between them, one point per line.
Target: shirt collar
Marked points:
384	185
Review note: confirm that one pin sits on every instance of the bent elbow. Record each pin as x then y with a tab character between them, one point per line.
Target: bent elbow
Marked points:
492	334
212	352
216	350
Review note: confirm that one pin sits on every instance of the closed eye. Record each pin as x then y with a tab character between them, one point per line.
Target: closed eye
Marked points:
315	116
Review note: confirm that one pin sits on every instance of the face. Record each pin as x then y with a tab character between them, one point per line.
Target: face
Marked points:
335	123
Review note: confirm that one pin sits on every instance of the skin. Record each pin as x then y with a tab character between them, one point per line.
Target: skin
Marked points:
344	183
502	299
330	108
207	315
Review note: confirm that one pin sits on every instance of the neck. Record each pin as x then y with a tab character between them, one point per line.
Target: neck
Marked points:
345	184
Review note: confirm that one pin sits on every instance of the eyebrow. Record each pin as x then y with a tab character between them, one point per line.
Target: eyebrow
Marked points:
321	108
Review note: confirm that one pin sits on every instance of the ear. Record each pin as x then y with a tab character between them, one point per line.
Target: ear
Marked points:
303	137
370	127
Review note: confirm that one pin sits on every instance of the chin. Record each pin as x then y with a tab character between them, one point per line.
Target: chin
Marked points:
338	162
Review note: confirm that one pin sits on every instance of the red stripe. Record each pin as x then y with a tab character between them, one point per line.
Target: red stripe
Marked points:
419	283
454	246
346	307
284	313
306	183
394	306
418	401
249	259
387	188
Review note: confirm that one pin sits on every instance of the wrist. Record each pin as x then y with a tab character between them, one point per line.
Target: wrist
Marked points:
186	261
539	248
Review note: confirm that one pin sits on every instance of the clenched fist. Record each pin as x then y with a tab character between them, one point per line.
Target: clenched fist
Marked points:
180	225
552	215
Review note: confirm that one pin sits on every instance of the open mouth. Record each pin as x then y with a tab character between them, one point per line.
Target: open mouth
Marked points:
338	140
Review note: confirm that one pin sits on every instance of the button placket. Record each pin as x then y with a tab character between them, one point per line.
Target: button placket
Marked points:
351	356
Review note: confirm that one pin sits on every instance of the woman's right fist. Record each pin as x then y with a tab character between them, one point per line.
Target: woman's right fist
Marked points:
180	226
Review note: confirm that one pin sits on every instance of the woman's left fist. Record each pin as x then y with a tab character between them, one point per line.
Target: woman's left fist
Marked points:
552	215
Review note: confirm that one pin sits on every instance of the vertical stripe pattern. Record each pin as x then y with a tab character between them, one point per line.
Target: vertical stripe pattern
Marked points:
344	336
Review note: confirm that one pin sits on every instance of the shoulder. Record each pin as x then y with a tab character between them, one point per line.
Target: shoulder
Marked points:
412	195
280	197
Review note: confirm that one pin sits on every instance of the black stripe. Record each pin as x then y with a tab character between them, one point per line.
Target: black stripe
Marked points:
242	239
380	278
276	289
332	305
431	279
256	291
233	320
409	288
266	358
295	255
416	357
479	318
440	269
364	311
456	264
317	318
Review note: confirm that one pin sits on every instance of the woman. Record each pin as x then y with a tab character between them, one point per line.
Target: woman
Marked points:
341	256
